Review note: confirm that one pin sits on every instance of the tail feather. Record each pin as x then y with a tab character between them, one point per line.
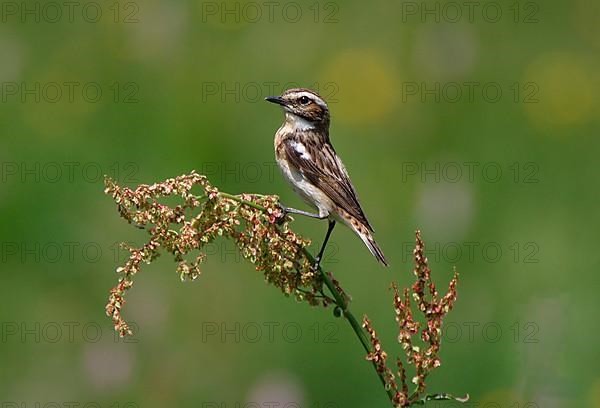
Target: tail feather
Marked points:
364	233
373	247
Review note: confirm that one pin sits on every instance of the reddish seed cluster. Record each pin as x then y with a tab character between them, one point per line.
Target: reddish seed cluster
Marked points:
378	356
254	222
424	357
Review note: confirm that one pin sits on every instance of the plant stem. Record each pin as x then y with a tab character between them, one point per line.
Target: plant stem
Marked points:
339	299
356	326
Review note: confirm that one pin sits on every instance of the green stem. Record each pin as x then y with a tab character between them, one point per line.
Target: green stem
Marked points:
339	299
356	326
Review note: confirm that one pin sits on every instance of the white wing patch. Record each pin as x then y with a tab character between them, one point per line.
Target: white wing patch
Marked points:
300	148
306	189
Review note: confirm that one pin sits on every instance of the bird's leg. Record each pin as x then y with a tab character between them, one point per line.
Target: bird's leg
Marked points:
288	210
322	251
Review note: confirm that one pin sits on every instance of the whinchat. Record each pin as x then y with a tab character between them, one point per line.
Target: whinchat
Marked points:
310	164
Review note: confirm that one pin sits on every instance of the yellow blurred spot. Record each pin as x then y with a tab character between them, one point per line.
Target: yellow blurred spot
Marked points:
366	86
595	394
564	87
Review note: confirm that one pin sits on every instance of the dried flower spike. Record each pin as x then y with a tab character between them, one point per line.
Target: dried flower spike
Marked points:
262	234
254	222
421	352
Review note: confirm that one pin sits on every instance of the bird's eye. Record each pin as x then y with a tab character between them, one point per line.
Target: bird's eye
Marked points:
304	100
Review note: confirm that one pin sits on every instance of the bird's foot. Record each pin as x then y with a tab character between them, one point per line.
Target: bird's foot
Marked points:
284	212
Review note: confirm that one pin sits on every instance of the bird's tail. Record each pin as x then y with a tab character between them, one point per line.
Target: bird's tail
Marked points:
374	248
367	237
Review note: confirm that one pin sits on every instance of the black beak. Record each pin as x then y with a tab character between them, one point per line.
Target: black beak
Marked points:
276	99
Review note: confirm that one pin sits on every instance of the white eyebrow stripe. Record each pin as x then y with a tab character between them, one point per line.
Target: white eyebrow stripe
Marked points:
313	97
300	148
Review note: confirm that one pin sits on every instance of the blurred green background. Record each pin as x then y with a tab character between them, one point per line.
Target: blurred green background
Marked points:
477	124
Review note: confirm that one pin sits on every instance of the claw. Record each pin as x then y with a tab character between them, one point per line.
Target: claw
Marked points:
284	213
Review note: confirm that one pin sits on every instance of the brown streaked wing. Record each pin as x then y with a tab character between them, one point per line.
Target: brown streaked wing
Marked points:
327	173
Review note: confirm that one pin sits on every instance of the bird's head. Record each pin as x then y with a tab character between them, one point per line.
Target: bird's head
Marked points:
303	104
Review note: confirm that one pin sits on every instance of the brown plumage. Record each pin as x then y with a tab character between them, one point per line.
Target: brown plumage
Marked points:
311	165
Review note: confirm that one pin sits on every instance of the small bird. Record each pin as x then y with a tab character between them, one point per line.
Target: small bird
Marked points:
310	164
